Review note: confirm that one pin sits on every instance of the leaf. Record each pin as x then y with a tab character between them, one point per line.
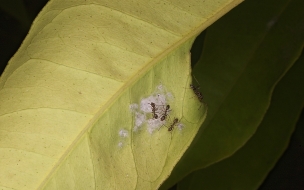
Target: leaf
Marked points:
76	98
237	73
249	166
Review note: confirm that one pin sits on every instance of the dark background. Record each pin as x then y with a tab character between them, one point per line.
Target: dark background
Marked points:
16	17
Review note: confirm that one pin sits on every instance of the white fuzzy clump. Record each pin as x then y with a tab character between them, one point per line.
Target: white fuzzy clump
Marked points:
140	119
120	144
123	133
154	124
180	126
143	111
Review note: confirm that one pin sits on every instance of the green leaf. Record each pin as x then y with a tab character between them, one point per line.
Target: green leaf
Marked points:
244	56
76	98
249	166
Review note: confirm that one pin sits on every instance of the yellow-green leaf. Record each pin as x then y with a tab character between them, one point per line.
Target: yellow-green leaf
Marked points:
76	98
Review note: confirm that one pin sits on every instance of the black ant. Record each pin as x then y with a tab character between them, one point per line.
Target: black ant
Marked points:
155	116
175	121
165	114
196	92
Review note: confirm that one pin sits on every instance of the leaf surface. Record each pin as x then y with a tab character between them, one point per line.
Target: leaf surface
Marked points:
76	98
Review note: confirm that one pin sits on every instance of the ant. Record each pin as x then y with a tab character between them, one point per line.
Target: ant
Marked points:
165	114
155	116
196	92
175	121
